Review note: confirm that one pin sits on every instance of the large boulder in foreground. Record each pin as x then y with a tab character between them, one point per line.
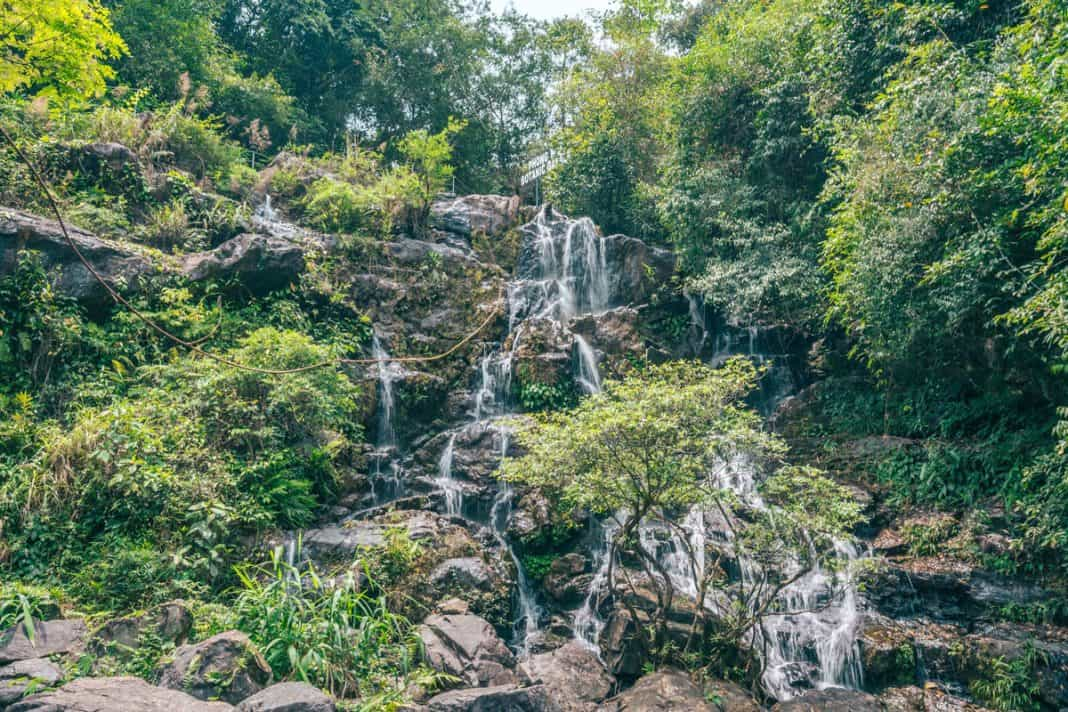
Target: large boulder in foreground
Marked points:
666	690
121	265
225	667
501	698
288	697
833	699
574	678
114	694
467	647
49	638
25	676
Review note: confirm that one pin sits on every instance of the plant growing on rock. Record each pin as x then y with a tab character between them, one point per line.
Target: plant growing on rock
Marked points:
660	442
338	634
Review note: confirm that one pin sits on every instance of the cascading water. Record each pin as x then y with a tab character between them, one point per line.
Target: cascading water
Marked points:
448	485
265	212
811	638
588	622
385	469
588	378
698	324
563	273
529	618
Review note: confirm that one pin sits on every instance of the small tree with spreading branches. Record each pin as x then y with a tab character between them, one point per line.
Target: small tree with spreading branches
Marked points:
661	442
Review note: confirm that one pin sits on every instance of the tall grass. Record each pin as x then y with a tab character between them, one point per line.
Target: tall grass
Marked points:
335	633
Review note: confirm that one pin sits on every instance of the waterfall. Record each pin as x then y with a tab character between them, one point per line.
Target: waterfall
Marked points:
453	494
265	212
698	329
589	379
563	272
588	622
824	624
529	618
386	472
819	612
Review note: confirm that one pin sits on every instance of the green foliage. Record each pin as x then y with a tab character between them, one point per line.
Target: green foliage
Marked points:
41	331
1010	684
537	565
168	226
56	48
192	457
648	447
122	575
535	396
336	635
428	158
22	604
927	537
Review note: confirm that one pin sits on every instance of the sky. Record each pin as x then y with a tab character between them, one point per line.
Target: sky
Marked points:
549	9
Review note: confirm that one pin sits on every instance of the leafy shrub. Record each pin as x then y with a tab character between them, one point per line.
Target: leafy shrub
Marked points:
336	635
335	206
1010	685
536	396
240	180
286	183
22	604
168	226
100	219
188	460
120	575
38	325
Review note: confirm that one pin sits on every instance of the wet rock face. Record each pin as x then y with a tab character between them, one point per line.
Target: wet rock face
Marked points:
114	694
226	667
630	269
568	581
888	653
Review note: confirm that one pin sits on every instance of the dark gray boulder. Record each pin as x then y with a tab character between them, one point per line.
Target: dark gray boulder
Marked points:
288	697
572	675
667	690
49	638
471	214
114	694
170	621
501	698
831	700
468	647
25	677
261	262
226	667
121	265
